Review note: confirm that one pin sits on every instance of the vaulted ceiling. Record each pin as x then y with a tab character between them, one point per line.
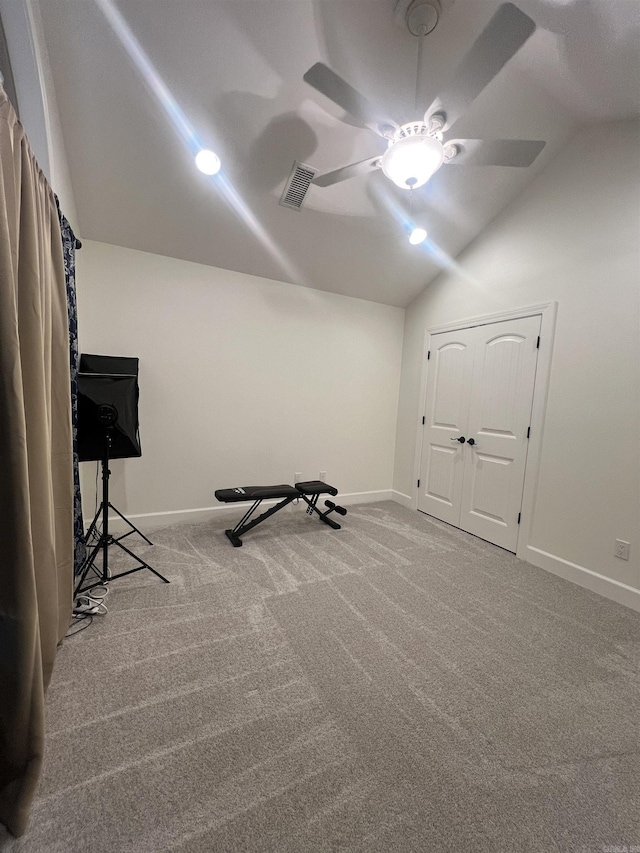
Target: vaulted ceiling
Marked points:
133	79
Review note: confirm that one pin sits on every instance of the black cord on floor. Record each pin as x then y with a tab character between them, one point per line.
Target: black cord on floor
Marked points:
86	617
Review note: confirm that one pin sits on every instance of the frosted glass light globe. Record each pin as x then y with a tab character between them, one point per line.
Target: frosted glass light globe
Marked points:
208	162
412	160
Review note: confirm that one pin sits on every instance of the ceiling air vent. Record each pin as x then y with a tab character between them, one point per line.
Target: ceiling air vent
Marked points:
297	185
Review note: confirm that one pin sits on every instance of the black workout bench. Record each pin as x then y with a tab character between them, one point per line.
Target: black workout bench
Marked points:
309	492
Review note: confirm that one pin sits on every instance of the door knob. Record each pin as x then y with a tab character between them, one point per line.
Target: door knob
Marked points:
461	439
471	441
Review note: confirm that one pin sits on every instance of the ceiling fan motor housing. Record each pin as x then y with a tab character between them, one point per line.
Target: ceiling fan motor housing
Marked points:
422	16
412	128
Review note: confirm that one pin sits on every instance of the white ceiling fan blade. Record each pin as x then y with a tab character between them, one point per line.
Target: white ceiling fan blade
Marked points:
500	40
346	172
494	152
329	84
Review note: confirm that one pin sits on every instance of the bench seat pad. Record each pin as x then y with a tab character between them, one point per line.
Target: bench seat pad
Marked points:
255	493
316	487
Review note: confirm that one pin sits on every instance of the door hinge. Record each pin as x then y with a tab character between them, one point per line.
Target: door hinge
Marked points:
423	421
538	343
428	355
418	483
528	431
519	514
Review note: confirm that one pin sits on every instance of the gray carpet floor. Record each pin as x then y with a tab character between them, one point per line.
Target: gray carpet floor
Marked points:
393	686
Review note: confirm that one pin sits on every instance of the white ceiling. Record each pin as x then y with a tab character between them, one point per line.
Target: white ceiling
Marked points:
235	69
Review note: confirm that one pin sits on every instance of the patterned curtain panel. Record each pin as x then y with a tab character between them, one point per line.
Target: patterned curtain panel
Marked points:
69	251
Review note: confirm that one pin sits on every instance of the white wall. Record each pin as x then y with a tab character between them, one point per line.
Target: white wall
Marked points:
243	381
572	236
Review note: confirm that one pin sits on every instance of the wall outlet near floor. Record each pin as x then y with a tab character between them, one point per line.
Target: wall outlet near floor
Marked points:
297	477
323	476
621	549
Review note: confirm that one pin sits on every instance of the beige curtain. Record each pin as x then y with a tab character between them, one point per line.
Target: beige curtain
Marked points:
36	479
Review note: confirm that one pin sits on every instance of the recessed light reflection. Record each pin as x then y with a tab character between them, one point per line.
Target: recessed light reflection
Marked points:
418	235
208	162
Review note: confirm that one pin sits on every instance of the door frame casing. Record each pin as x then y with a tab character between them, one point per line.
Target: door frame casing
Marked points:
548	312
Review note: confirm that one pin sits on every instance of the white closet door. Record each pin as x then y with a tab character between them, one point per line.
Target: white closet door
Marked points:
480	386
504	371
447	409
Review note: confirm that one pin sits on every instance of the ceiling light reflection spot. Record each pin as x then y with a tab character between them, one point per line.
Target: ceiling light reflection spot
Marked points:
418	235
208	162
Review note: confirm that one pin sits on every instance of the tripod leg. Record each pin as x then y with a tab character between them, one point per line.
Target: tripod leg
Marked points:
106	539
134	529
87	565
142	565
92	526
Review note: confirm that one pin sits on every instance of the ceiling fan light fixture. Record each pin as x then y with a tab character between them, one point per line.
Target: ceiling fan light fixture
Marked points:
411	160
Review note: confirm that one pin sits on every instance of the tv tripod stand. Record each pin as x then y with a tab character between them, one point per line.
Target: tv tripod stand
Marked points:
105	538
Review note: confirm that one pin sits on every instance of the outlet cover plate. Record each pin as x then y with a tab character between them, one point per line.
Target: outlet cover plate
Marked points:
622	549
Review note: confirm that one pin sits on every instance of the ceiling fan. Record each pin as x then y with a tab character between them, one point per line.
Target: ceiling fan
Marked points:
416	150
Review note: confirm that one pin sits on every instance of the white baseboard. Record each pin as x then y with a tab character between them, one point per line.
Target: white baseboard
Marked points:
401	498
149	520
607	587
366	497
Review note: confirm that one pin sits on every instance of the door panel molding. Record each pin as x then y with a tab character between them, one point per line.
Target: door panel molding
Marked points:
448	398
548	314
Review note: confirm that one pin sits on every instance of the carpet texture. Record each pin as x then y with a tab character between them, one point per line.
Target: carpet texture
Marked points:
393	686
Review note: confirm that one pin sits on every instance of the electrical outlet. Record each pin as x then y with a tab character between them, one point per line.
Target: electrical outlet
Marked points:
323	476
297	477
622	549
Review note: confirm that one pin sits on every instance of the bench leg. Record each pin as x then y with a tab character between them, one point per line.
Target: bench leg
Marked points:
235	540
244	524
312	507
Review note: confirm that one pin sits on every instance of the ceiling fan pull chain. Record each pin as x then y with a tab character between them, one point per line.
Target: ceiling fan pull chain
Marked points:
421	40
